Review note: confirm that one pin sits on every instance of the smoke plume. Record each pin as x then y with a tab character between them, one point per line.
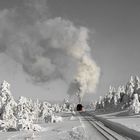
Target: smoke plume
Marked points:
48	48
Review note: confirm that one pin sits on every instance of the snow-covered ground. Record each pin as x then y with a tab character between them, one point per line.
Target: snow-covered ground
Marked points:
70	129
130	121
73	127
123	118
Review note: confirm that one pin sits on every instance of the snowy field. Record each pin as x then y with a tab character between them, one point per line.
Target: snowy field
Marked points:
130	121
69	129
72	128
124	119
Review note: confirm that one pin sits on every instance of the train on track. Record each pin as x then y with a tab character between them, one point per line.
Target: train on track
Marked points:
79	107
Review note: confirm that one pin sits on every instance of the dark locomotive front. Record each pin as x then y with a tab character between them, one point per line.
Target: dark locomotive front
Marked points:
79	107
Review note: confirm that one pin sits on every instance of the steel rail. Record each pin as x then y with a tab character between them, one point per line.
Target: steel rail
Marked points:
103	131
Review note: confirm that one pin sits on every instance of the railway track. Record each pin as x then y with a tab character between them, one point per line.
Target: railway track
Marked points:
107	133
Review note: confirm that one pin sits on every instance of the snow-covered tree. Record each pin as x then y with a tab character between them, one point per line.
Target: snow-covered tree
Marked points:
8	106
137	85
122	98
100	103
22	115
135	105
130	87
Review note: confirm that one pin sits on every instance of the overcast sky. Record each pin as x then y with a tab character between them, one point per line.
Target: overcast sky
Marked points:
115	43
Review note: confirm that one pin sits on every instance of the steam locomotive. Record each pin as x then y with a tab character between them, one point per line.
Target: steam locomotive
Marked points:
79	107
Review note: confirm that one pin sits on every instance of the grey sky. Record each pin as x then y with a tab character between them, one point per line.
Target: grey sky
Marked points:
116	27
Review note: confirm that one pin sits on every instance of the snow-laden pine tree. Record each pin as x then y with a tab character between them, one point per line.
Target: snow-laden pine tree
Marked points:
36	110
100	103
57	108
130	87
46	109
122	98
22	115
25	114
135	105
137	85
110	94
8	107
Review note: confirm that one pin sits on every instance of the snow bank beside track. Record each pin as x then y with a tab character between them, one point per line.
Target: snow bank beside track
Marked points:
119	128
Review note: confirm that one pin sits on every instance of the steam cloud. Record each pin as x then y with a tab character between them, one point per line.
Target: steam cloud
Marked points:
49	48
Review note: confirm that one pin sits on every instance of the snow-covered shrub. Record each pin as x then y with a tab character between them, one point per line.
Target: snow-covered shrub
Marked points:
48	119
56	119
36	127
53	119
72	118
73	112
27	125
77	133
